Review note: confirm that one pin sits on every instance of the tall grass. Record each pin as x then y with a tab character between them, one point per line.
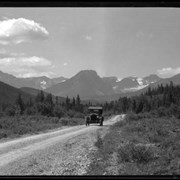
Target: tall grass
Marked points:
144	144
12	126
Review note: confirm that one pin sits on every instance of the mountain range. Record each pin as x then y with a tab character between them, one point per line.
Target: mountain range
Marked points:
42	82
87	83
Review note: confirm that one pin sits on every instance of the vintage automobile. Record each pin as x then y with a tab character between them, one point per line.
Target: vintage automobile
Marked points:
94	116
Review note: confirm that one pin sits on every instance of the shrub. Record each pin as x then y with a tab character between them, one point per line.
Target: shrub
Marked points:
44	108
135	117
23	124
64	121
71	121
78	115
162	111
108	113
30	111
10	111
3	134
58	111
139	153
70	113
55	120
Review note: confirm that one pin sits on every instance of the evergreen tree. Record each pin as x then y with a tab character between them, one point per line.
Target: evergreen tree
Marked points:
73	102
20	103
67	103
49	99
40	97
78	103
134	105
56	100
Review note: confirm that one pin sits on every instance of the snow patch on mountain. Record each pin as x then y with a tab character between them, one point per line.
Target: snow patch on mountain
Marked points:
140	81
118	79
134	88
115	87
43	84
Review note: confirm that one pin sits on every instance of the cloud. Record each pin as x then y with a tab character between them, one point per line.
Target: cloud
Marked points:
3	42
21	30
4	53
34	73
12	54
65	64
168	72
26	66
87	37
141	34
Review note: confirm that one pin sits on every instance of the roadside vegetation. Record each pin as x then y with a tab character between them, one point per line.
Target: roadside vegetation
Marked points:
142	144
21	125
42	114
147	141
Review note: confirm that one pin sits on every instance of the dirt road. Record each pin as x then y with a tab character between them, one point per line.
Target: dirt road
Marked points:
66	151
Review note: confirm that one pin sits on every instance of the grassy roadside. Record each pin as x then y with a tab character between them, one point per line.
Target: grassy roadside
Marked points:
16	126
140	145
11	127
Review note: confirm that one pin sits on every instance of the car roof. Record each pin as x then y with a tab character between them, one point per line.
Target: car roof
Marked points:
95	107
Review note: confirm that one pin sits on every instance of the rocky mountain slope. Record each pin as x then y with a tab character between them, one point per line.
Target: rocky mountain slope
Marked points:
42	82
85	83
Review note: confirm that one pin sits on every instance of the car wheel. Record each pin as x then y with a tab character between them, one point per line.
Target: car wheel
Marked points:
101	123
87	121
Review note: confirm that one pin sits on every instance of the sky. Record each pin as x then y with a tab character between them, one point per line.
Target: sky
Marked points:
117	42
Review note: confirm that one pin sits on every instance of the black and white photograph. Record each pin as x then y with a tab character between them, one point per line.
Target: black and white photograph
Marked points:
89	91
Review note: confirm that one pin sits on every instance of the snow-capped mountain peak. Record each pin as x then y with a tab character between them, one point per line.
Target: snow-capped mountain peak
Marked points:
140	81
134	83
118	79
43	84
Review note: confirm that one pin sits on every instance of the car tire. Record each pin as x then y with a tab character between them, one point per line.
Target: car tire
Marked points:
87	121
101	122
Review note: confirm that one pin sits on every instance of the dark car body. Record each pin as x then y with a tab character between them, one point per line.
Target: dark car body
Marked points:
95	115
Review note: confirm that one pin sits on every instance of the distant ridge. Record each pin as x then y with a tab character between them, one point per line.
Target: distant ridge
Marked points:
88	84
8	94
42	82
85	83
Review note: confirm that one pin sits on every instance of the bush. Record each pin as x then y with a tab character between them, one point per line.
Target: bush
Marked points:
162	111
19	125
3	134
78	115
138	153
30	111
58	111
133	117
10	111
71	121
108	113
70	113
44	109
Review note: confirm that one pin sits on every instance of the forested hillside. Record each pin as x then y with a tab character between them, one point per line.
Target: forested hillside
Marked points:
163	100
147	141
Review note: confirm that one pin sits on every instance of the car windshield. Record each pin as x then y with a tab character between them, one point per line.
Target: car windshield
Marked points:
96	111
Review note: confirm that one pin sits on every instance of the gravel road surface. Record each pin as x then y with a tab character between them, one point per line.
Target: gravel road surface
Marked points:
66	151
